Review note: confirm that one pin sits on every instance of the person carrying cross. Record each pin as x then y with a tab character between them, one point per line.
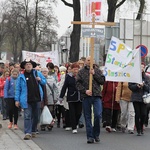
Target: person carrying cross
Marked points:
91	98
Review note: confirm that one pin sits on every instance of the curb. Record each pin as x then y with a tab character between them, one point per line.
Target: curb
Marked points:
13	139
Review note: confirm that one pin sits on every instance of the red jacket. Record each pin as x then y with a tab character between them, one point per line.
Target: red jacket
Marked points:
108	95
2	83
58	77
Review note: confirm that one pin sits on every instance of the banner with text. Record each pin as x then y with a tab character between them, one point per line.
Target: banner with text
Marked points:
122	63
42	57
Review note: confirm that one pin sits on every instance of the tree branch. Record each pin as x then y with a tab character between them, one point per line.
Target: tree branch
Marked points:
67	4
120	3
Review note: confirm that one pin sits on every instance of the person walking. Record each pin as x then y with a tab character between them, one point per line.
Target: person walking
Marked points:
110	106
123	97
52	95
3	78
29	94
91	98
60	111
73	97
138	90
9	94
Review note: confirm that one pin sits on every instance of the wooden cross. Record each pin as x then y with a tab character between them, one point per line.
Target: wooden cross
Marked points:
93	23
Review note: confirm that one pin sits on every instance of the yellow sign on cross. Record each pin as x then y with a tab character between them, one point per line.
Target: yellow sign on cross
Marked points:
93	23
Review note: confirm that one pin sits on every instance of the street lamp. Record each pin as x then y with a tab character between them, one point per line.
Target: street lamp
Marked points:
64	49
63	46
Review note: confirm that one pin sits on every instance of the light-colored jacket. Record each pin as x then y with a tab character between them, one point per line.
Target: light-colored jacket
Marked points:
123	92
60	85
52	90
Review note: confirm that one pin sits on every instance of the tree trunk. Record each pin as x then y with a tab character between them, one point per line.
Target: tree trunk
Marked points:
111	14
141	9
75	35
111	10
112	6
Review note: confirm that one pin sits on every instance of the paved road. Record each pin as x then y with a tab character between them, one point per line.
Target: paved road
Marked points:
58	139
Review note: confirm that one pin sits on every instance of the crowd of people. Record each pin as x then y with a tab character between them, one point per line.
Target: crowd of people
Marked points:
28	87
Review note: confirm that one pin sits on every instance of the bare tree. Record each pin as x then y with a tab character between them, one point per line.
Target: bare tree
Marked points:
75	35
3	30
112	6
13	32
141	9
38	20
2	34
28	23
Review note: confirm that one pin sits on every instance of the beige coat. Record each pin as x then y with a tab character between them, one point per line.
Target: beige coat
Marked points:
123	92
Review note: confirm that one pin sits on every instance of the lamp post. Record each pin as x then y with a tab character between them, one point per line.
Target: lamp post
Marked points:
64	49
62	44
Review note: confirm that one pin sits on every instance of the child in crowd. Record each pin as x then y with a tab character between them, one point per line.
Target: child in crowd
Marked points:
9	94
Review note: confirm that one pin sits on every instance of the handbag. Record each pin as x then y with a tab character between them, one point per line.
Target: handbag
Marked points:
46	117
146	98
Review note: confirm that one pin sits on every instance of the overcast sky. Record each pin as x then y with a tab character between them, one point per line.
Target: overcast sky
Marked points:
65	14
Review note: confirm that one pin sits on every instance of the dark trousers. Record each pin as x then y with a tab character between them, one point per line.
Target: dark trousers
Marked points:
12	110
60	112
147	114
4	108
67	118
92	130
110	117
140	114
75	109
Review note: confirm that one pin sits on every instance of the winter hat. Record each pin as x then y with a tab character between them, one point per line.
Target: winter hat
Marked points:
28	61
62	68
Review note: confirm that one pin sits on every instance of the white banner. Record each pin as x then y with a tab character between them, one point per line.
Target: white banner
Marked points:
122	63
42	57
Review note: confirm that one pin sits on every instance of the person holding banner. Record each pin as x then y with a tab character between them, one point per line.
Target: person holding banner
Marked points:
138	90
91	98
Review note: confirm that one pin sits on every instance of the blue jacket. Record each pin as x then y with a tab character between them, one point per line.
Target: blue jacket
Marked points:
9	87
21	88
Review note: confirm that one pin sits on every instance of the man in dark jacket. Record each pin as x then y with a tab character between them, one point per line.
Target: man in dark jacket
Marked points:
91	98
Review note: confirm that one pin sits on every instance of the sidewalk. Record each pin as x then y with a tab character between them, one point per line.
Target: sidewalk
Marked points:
13	139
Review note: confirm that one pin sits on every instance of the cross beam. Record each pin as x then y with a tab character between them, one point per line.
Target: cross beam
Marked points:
93	23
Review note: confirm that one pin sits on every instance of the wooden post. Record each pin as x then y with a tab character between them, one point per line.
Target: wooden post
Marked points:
92	47
93	23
